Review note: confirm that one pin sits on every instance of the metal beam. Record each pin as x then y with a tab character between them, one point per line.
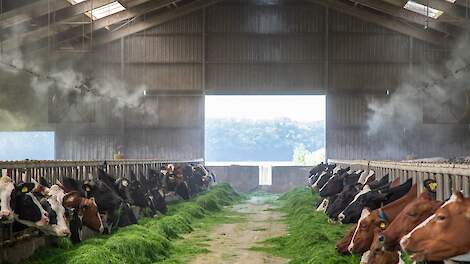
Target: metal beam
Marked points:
155	21
449	9
392	24
58	15
25	13
409	16
36	40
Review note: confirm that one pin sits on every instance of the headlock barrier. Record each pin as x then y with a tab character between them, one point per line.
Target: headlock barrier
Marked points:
450	177
53	170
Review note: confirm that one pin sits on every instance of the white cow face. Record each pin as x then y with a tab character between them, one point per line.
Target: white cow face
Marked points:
6	188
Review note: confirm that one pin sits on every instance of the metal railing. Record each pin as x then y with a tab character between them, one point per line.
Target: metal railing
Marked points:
450	177
53	170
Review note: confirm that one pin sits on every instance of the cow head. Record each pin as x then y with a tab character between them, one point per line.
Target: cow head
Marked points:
364	233
334	185
444	234
51	201
137	191
105	196
6	188
27	208
342	245
87	208
124	188
378	255
365	198
342	200
414	213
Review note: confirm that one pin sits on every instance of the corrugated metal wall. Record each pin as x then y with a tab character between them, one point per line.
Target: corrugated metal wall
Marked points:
239	47
365	62
166	61
265	49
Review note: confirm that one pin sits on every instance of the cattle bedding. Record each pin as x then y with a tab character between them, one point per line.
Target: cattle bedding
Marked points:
149	241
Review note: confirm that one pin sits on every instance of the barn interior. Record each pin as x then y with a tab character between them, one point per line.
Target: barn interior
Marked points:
123	84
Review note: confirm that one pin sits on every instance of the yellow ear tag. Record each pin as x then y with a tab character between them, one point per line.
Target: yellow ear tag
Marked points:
433	186
383	226
88	189
24	189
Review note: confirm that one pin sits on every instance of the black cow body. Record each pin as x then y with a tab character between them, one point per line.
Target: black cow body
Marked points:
342	200
374	199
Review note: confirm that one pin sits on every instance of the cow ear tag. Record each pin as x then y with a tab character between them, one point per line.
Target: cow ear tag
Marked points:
125	183
433	186
383	226
24	189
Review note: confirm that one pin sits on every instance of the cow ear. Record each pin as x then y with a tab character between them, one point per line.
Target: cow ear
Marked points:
25	187
458	196
87	187
58	183
44	182
365	213
430	185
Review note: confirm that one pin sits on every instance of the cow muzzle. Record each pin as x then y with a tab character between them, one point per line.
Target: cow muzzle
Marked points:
341	217
44	221
6	216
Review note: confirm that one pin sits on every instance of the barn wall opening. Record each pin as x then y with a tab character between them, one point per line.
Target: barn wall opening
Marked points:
33	145
260	130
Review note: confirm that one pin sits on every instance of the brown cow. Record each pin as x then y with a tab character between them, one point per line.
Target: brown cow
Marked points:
370	222
377	254
413	214
342	245
88	209
443	235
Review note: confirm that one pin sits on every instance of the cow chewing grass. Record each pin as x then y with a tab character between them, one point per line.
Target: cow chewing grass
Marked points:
149	241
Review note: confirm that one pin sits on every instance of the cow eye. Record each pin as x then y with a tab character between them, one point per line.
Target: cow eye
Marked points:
411	214
441	218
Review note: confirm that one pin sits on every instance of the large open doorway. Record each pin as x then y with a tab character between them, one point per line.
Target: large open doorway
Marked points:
265	130
31	145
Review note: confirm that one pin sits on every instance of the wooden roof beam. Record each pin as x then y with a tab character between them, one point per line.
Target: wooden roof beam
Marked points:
392	24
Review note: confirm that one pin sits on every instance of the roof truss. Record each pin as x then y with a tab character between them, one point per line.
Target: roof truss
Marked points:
32	25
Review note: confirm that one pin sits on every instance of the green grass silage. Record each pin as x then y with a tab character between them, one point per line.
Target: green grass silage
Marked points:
311	239
147	242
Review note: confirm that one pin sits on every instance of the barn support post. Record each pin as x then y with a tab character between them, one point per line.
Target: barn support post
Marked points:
326	76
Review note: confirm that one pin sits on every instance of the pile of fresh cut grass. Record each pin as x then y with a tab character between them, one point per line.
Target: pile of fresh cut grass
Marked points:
147	242
311	239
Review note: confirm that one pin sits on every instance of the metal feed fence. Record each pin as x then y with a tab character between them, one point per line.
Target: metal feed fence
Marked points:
81	170
450	177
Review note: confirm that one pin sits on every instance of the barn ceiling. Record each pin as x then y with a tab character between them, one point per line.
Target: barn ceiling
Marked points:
78	25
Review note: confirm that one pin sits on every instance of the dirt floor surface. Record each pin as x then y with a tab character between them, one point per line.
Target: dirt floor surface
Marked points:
231	243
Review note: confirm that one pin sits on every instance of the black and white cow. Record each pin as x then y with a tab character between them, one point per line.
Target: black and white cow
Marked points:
51	199
26	207
373	199
105	193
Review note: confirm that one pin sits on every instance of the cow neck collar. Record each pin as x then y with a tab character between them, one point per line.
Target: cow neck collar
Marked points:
382	216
